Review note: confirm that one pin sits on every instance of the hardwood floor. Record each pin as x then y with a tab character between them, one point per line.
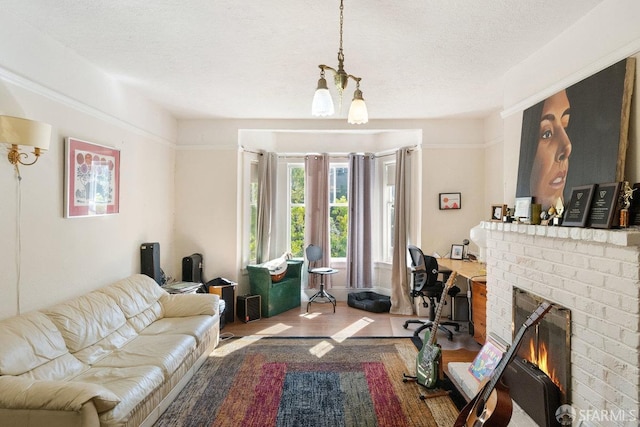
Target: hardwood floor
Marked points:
346	322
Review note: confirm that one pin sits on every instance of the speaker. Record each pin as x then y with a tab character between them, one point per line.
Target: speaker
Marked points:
150	261
192	268
248	308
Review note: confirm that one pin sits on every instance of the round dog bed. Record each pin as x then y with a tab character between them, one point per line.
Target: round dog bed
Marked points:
369	301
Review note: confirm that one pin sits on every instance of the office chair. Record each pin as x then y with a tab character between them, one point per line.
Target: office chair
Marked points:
424	269
314	254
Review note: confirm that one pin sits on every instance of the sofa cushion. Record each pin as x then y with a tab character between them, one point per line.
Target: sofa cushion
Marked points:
130	385
86	320
137	296
164	351
32	342
196	326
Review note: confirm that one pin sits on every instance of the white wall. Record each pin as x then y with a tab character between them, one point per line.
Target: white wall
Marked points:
208	165
60	258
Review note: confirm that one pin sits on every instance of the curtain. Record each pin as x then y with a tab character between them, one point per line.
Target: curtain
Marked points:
316	214
359	263
400	301
267	181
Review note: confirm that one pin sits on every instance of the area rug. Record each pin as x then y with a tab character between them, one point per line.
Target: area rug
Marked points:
315	382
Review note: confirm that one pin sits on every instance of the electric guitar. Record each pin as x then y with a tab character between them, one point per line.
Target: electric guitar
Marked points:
492	406
428	360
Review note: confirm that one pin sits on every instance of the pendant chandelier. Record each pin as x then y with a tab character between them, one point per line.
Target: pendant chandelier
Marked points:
323	104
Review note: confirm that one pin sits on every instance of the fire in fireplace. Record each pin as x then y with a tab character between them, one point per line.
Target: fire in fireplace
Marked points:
539	375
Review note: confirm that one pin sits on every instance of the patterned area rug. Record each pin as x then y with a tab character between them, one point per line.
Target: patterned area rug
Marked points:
308	382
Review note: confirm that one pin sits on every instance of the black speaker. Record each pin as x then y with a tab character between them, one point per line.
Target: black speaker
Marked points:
150	261
192	268
248	308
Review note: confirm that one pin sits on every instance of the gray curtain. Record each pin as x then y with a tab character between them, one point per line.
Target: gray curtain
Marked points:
400	301
361	178
267	181
316	214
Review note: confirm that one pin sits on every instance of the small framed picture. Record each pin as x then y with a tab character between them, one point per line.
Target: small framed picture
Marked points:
498	212
457	251
523	208
450	201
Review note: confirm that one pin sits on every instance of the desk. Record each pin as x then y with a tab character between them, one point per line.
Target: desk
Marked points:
470	270
475	273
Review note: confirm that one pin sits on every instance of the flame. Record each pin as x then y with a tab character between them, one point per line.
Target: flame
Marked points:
542	362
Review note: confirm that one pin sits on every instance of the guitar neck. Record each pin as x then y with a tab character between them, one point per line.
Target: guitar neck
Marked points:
506	358
436	320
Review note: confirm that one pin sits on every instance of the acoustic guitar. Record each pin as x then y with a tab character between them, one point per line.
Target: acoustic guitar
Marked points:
492	406
429	356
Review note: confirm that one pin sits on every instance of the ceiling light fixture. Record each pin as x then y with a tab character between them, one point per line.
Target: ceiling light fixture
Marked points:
323	104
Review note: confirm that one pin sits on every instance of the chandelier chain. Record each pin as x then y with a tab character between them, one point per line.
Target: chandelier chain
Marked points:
340	53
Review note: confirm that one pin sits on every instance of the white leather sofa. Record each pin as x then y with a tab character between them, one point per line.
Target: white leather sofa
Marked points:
116	356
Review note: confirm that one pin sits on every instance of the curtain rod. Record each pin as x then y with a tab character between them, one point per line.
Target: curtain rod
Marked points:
344	155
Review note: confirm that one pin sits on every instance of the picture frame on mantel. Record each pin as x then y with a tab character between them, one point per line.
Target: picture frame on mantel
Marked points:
577	211
92	179
604	206
498	212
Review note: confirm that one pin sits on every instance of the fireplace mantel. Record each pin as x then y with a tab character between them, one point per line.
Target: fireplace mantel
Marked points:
615	237
596	274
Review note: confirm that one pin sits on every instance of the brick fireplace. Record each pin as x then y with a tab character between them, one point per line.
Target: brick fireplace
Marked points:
593	273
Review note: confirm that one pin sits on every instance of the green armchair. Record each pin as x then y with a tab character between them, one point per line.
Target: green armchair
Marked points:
280	296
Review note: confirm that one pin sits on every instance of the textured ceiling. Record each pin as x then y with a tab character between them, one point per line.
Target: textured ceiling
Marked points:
259	58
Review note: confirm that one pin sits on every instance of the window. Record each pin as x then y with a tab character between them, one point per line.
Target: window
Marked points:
253	213
388	216
296	209
338	209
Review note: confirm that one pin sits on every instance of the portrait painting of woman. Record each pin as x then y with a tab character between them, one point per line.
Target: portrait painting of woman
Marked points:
575	137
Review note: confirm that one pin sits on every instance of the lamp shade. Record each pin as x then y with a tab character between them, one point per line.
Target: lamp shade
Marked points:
322	103
29	133
358	114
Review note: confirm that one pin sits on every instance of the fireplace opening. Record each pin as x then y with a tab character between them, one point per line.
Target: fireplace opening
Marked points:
539	377
546	345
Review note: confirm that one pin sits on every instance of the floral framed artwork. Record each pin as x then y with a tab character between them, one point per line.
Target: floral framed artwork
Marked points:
92	179
450	201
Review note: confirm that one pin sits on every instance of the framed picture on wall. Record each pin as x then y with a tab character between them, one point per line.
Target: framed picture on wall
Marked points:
450	201
92	179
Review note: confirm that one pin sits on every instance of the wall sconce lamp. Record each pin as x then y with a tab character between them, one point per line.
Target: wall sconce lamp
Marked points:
27	133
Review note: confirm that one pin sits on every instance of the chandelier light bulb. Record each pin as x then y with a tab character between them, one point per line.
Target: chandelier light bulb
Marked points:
358	114
322	104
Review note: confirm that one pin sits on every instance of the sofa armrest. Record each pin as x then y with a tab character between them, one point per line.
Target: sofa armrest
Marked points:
294	269
185	305
23	393
259	279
